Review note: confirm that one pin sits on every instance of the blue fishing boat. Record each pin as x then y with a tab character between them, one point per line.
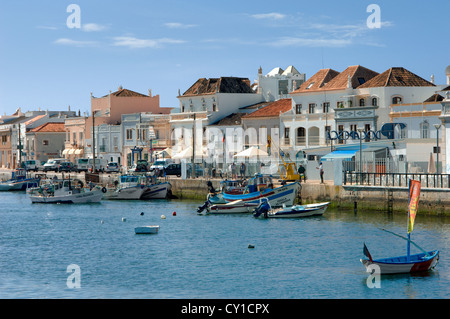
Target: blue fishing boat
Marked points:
410	263
259	187
19	181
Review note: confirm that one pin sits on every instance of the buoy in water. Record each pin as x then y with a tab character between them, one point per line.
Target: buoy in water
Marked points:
142	213
251	246
174	214
101	221
163	217
124	219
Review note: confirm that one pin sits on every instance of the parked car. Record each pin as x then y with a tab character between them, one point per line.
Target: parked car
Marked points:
139	166
66	167
52	165
173	169
32	165
112	167
160	164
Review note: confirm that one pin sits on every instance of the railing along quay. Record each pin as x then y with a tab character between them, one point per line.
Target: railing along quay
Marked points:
396	179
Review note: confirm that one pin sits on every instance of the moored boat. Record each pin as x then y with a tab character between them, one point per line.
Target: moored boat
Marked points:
159	190
410	263
129	187
236	207
295	211
146	229
19	181
65	192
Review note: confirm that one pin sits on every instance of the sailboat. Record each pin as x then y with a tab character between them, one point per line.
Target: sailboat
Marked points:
423	261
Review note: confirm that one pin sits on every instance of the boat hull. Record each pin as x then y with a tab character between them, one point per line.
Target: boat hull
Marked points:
18	185
126	193
400	265
237	207
300	211
146	230
285	194
157	191
94	196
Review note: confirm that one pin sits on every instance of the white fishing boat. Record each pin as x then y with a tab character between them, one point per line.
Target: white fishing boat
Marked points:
147	229
160	190
236	207
295	211
65	192
129	187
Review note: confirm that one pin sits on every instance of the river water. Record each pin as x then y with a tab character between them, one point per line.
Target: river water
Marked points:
206	257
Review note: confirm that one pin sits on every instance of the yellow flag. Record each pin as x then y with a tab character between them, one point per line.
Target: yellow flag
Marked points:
414	193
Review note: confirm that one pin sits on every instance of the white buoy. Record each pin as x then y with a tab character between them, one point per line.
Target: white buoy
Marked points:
124	219
101	221
163	217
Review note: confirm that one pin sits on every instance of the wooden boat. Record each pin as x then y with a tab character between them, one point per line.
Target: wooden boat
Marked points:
236	207
129	187
423	261
157	191
64	192
146	230
19	181
262	187
298	211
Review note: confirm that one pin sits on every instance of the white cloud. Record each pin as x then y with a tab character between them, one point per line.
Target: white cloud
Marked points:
75	43
93	27
271	16
177	25
135	43
309	42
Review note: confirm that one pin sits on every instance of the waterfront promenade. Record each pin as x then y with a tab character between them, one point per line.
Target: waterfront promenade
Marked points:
359	197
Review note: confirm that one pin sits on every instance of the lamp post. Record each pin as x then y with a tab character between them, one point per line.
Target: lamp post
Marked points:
437	126
360	130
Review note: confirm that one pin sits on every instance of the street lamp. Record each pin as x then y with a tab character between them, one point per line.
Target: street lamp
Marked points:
437	126
360	130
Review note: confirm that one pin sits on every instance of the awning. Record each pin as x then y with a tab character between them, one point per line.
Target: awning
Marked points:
78	152
339	155
65	151
71	151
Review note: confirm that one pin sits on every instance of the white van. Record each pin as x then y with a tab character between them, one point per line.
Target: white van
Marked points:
161	163
53	164
86	164
31	165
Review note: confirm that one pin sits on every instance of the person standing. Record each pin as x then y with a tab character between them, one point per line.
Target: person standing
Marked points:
301	172
320	168
233	171
242	170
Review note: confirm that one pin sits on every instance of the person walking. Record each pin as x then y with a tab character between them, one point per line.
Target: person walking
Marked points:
320	168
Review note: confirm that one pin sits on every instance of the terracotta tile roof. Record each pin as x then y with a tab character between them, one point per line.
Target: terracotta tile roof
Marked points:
271	110
219	85
50	128
435	98
396	76
329	79
317	81
126	93
232	119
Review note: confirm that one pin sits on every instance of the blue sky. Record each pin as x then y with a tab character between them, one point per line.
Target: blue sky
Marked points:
167	45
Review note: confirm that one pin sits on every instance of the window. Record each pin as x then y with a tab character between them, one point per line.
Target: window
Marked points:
310	85
396	100
340	104
362	102
68	136
374	101
424	129
74	137
312	108
286	132
326	107
298	109
361	81
214	107
45	142
81	137
129	134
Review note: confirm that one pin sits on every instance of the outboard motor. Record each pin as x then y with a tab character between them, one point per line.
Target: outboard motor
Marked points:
200	209
262	209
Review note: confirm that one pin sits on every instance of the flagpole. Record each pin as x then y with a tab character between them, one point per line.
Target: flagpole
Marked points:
408	245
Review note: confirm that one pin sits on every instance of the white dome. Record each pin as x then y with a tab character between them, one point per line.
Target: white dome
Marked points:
447	70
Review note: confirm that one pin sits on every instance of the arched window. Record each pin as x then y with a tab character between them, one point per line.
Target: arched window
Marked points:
361	102
374	101
396	100
301	136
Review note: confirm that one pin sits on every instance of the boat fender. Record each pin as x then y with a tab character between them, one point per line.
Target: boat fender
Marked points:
104	190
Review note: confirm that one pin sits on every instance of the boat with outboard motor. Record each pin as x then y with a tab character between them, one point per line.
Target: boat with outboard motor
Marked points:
127	187
295	211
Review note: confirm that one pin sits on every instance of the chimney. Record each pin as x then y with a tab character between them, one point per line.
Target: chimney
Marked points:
432	78
150	92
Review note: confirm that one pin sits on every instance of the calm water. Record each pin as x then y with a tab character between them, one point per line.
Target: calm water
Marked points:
205	256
